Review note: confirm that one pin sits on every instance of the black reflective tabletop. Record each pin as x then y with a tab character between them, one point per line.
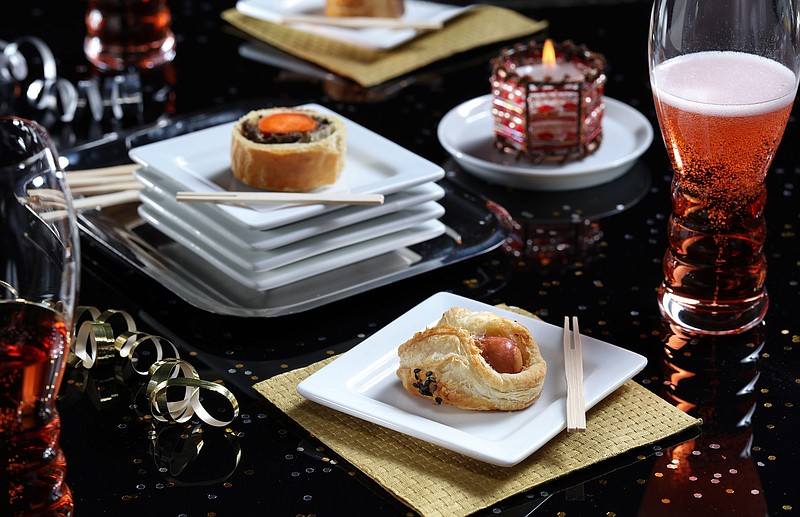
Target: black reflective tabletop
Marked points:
595	253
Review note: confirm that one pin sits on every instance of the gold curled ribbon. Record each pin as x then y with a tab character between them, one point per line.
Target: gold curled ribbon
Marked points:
95	342
164	375
126	344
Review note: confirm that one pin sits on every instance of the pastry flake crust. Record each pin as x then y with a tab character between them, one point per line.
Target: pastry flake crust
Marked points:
288	167
444	363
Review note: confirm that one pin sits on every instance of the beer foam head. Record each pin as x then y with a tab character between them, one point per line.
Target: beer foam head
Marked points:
723	83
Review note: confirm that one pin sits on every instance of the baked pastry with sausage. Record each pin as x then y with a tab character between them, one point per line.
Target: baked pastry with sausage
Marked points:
371	8
288	149
473	360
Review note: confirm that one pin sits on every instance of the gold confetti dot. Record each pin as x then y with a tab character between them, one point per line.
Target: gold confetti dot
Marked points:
772	457
238	365
767	404
729	490
284	365
666	501
784	332
764	390
227	485
641	481
329	352
787	507
659	475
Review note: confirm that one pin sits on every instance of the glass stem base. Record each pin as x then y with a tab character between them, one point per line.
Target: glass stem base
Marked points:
712	318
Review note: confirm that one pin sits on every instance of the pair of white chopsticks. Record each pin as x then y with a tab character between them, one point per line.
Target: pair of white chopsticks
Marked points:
573	369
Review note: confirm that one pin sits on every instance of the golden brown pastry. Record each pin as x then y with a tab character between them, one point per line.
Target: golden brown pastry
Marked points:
288	149
452	362
373	8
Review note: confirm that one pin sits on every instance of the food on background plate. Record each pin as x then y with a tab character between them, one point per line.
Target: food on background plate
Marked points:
288	149
371	8
473	360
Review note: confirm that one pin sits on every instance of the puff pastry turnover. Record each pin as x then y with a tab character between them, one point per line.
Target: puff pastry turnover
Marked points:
445	363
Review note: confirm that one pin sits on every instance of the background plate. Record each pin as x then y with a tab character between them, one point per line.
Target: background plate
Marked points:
377	38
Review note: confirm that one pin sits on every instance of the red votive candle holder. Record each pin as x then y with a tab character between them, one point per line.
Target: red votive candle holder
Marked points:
547	101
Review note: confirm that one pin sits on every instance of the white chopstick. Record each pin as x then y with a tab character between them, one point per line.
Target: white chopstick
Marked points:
573	369
363	22
83	203
237	198
102	173
104	188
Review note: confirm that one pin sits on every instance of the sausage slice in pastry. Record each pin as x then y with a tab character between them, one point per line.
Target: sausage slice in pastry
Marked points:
473	360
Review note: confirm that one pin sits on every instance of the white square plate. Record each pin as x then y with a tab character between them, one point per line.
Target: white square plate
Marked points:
200	162
301	269
377	38
362	382
208	226
209	243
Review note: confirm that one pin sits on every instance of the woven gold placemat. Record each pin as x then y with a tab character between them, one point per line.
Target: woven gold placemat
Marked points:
438	482
479	26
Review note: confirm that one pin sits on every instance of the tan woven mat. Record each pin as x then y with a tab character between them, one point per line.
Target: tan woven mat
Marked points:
477	27
437	482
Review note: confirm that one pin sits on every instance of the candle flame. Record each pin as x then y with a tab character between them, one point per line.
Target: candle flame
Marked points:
549	55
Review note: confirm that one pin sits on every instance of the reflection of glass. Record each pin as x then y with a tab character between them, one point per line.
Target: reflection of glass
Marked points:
724	77
129	33
38	282
713	378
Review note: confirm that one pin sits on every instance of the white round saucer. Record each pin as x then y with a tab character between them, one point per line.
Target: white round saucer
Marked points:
466	133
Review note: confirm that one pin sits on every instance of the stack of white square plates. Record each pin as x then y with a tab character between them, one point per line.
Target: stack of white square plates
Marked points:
264	247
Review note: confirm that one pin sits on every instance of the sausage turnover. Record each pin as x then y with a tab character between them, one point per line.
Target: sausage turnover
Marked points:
473	360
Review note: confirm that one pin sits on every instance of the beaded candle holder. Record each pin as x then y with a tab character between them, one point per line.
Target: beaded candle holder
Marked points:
547	101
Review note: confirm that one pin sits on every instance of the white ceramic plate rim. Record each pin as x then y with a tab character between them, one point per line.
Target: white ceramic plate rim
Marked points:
627	134
376	38
208	241
302	269
160	191
362	383
374	165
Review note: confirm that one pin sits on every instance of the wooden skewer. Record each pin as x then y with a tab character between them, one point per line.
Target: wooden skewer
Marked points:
573	369
93	202
102	188
237	198
103	172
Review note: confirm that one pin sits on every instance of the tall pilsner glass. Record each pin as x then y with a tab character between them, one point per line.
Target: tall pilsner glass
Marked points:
724	75
38	283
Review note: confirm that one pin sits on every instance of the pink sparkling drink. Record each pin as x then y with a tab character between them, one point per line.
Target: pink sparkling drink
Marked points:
722	115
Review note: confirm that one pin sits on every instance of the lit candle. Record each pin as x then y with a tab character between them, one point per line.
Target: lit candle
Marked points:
550	69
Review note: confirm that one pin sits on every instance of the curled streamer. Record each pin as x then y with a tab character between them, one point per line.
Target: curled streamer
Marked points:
165	375
96	343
